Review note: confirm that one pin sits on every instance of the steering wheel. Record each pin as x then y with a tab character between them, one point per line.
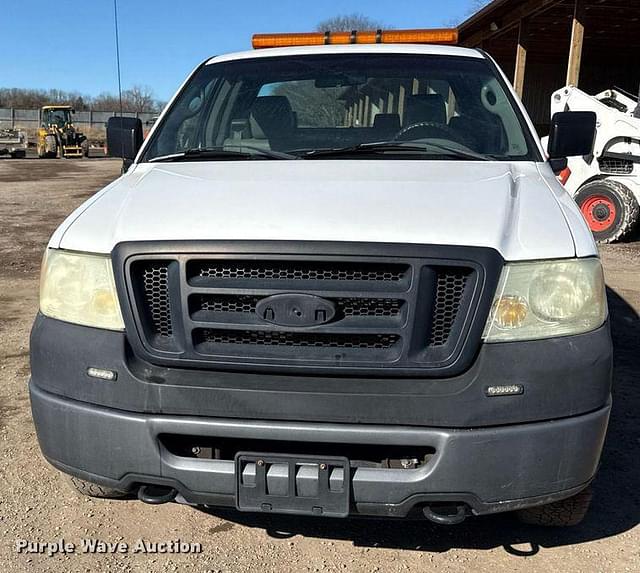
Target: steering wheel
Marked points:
434	130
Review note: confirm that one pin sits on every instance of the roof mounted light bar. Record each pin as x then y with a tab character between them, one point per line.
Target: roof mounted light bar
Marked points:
426	36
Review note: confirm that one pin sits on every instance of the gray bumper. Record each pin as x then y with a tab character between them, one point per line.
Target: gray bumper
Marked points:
491	469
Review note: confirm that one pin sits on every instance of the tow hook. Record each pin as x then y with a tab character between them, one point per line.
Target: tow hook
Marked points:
156	494
444	516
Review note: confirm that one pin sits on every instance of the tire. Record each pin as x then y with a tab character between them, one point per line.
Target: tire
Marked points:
50	147
610	209
563	513
94	490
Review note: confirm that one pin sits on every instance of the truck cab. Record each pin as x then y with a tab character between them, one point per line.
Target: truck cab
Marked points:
335	279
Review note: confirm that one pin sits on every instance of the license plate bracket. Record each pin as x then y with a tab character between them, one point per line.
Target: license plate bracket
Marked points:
303	485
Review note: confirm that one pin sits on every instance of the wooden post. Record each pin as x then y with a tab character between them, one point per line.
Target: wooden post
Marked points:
360	112
451	105
366	116
401	96
390	102
577	39
521	57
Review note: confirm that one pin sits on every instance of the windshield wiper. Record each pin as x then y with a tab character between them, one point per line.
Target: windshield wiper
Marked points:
398	146
213	153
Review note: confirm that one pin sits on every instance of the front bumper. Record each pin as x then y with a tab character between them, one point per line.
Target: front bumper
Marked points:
491	469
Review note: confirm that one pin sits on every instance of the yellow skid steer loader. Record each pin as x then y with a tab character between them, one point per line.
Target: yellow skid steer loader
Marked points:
57	136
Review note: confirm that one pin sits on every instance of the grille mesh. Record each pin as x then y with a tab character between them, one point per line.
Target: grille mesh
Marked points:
155	278
369	306
260	338
302	271
228	303
616	166
450	289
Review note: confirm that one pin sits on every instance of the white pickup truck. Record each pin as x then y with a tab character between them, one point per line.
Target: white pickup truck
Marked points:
334	280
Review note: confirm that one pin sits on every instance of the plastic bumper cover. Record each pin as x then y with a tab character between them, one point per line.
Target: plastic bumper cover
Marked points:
491	469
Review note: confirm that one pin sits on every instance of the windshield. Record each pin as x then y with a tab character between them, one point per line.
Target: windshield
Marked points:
335	106
59	117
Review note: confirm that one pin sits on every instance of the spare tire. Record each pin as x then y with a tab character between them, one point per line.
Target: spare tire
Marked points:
610	209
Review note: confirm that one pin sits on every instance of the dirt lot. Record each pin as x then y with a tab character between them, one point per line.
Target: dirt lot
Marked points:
36	503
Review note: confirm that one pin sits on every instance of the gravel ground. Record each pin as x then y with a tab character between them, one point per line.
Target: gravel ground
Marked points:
37	504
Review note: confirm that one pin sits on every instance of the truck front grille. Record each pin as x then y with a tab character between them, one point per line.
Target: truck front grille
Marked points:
392	314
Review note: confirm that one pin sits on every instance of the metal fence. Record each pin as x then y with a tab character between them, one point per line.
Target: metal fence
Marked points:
92	122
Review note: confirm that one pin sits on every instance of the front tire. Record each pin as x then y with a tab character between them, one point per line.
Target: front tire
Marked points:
563	513
610	209
50	147
94	490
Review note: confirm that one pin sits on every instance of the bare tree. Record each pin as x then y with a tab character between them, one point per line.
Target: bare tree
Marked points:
140	98
31	99
136	98
348	22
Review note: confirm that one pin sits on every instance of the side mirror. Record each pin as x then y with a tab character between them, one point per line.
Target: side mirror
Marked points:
572	134
124	137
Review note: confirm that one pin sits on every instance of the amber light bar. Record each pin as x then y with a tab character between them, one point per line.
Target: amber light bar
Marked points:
431	36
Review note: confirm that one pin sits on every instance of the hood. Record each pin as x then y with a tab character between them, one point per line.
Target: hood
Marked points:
506	206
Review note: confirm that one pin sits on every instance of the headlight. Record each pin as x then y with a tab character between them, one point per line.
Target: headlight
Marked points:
546	299
79	288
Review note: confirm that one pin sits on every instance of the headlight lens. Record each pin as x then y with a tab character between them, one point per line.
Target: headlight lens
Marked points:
79	288
546	299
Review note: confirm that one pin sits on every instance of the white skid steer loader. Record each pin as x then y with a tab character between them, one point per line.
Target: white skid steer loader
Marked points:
606	184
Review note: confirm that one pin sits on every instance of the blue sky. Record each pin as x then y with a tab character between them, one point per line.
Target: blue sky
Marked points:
162	40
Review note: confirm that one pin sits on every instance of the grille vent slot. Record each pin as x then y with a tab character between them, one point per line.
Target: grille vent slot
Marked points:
320	340
352	306
297	271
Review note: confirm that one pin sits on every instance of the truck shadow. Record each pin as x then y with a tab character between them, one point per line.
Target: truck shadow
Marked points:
615	508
